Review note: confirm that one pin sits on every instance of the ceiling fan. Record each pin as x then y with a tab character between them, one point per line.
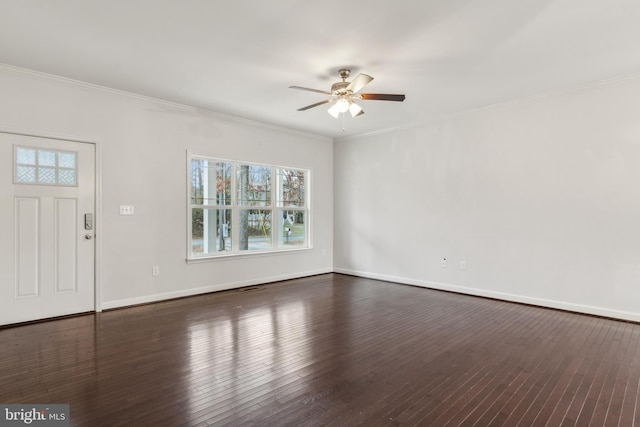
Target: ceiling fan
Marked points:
344	94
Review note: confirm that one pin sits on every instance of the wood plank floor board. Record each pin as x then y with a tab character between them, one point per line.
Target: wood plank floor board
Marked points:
612	376
433	391
437	409
510	392
402	388
433	387
539	359
600	374
573	377
625	407
330	350
586	374
626	369
547	367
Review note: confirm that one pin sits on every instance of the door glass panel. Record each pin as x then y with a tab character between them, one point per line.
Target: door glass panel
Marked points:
48	167
67	176
67	160
47	175
25	156
46	158
26	174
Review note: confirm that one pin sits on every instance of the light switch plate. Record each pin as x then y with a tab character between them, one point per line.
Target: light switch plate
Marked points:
126	210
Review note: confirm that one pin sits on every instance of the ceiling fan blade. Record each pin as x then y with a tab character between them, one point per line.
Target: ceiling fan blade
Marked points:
310	90
381	97
314	105
359	82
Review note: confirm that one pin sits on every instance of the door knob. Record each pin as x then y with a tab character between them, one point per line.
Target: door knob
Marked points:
88	236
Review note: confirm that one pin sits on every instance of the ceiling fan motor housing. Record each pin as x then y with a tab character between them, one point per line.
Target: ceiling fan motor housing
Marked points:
339	88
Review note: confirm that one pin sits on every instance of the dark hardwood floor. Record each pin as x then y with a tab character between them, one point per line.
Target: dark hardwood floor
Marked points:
328	350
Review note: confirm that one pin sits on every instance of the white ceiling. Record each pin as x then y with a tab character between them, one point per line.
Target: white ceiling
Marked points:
239	57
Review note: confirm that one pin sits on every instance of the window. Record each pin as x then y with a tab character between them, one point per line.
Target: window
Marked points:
48	167
238	208
291	207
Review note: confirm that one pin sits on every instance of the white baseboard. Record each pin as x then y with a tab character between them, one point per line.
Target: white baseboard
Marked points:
106	305
541	302
561	305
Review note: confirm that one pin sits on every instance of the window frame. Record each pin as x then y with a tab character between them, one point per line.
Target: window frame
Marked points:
275	206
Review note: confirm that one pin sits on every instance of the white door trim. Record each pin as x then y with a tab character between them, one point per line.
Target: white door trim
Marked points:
98	196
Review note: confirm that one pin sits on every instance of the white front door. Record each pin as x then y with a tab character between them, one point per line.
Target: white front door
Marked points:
47	221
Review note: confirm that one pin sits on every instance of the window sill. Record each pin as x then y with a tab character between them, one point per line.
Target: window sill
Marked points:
252	254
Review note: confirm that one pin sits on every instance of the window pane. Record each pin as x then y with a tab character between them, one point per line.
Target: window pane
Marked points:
47	175
210	182
210	231
25	156
291	227
46	158
67	176
67	160
26	174
254	185
255	229
291	191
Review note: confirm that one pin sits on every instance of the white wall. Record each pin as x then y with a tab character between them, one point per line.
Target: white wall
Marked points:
540	197
143	146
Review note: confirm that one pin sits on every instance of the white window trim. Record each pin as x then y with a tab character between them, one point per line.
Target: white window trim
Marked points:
235	209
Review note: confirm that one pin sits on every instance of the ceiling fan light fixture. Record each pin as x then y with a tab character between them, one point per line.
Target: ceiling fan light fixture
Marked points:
334	111
355	109
341	106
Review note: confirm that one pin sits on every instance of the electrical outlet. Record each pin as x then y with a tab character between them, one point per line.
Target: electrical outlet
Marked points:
126	210
463	265
443	263
155	271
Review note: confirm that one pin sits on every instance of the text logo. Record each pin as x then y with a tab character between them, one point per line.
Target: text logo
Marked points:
40	415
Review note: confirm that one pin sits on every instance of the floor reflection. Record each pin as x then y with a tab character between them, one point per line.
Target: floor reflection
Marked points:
246	349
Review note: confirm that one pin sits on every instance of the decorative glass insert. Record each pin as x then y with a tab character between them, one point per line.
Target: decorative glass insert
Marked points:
48	167
46	175
25	156
67	160
46	158
67	176
26	174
